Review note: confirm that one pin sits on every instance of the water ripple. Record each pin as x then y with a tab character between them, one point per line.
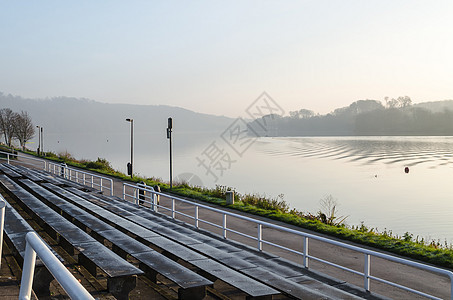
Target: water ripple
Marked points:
409	151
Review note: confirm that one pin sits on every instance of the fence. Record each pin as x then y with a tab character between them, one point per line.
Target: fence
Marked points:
141	194
2	223
25	159
89	179
35	246
171	208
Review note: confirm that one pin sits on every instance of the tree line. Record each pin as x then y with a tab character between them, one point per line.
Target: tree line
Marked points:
363	117
16	126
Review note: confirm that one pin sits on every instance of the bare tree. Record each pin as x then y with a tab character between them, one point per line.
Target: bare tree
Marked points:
393	103
301	114
6	124
401	102
23	128
404	101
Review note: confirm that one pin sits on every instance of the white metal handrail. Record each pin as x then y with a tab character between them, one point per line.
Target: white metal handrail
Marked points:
2	224
18	155
79	176
366	274
35	246
141	193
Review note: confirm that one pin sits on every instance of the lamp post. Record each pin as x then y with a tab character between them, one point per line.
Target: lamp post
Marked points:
130	169
42	142
169	129
39	139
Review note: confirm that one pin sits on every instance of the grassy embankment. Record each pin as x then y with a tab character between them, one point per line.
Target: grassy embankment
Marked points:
325	222
7	149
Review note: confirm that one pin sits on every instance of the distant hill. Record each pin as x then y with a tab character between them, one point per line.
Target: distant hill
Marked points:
70	115
363	118
436	106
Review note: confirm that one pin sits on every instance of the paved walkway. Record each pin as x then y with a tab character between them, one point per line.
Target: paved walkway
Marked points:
405	275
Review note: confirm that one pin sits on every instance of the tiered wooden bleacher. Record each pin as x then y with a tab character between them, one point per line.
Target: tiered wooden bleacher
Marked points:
157	242
16	228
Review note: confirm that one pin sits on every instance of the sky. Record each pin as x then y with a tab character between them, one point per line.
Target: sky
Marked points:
217	57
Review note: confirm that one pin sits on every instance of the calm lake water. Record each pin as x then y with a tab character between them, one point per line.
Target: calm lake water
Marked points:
364	174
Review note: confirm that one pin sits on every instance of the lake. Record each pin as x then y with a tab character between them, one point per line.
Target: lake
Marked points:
366	175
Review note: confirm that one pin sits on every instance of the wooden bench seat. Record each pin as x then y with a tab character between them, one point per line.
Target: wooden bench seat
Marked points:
15	229
192	285
247	260
8	171
42	176
25	172
121	274
250	286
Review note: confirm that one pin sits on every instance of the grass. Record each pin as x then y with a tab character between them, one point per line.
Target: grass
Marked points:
4	148
325	221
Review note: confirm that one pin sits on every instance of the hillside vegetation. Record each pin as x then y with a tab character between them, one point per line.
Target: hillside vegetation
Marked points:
363	118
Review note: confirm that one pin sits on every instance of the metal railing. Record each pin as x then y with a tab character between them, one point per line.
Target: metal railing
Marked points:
141	194
89	179
35	246
2	224
304	252
28	160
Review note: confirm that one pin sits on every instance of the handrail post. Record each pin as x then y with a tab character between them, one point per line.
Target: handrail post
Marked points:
451	288
173	208
224	226
111	187
2	222
8	157
153	200
36	247
101	185
196	216
28	271
136	193
260	237
305	259
366	273
124	191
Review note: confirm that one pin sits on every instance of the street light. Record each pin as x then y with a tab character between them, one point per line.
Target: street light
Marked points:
130	164
39	138
42	142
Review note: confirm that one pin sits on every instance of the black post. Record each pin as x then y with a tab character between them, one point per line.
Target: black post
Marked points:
42	142
169	129
39	139
132	146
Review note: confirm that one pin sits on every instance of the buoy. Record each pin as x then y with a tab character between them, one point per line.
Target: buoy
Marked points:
406	170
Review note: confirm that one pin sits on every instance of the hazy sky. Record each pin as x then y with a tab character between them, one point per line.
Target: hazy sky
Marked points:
219	56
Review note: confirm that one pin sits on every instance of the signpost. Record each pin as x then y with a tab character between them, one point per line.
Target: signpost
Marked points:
130	165
169	129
